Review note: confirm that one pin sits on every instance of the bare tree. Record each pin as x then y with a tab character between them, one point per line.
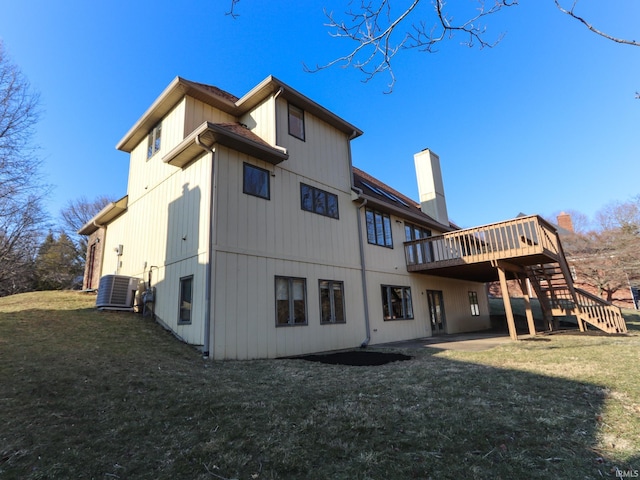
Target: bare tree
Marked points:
76	214
606	258
21	190
380	29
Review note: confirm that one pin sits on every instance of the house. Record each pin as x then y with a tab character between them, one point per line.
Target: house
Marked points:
259	236
252	235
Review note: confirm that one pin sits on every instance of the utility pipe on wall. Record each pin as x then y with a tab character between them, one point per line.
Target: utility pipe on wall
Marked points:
363	271
210	250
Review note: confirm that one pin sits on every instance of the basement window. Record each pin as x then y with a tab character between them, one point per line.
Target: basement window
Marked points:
291	301
473	302
396	303
153	140
331	302
186	299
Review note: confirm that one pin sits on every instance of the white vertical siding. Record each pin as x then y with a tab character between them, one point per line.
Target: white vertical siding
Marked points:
255	240
197	112
245	311
324	154
261	120
146	173
167	227
259	239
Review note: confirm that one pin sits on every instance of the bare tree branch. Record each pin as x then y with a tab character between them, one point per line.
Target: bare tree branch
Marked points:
232	10
379	29
378	34
571	13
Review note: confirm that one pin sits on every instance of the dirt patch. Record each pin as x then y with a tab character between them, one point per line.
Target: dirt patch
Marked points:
358	358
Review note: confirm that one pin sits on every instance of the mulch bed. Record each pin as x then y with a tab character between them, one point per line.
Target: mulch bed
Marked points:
358	358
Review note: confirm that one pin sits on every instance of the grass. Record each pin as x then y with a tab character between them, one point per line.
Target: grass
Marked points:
85	394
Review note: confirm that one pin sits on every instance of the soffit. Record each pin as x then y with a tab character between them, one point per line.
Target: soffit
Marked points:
232	135
105	216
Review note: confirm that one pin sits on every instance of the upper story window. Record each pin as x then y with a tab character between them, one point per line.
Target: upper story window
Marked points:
255	181
421	252
296	122
153	140
318	201
378	228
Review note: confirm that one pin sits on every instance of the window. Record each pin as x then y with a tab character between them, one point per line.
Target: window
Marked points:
422	252
475	306
153	140
318	201
396	303
296	122
186	295
331	302
291	301
255	181
378	228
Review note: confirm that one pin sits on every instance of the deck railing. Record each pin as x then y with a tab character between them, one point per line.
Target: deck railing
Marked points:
601	313
512	238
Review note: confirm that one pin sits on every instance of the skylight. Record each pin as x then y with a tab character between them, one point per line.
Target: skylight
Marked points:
379	191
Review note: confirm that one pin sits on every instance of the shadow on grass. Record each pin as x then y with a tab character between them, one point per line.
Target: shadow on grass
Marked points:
84	395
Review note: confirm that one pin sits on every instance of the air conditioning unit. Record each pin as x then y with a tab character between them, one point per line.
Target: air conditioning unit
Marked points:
117	292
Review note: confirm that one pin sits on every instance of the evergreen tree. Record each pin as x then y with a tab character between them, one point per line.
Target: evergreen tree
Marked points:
57	263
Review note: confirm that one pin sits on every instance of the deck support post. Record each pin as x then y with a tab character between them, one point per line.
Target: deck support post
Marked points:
527	304
507	304
544	302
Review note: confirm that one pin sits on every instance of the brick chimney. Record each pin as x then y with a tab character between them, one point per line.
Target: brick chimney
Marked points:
564	221
430	186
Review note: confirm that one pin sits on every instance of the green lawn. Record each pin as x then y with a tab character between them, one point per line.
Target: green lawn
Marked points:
85	394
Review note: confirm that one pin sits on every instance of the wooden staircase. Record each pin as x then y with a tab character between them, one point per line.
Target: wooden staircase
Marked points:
558	297
522	248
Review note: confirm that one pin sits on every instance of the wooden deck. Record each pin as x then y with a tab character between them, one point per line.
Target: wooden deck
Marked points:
472	253
522	248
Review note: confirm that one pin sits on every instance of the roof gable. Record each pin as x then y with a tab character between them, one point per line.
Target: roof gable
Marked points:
227	102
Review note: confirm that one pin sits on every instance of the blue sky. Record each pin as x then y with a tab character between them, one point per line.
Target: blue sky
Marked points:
546	121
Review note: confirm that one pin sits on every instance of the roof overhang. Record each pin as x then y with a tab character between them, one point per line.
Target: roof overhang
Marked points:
105	216
180	87
208	134
416	217
173	94
271	85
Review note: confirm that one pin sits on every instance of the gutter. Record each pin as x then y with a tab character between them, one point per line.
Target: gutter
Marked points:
275	117
210	250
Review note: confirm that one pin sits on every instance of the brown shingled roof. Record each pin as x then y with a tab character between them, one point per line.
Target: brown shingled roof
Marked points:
216	91
385	195
242	130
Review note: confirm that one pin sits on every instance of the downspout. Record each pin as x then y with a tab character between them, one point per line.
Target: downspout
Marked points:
275	116
363	271
210	253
